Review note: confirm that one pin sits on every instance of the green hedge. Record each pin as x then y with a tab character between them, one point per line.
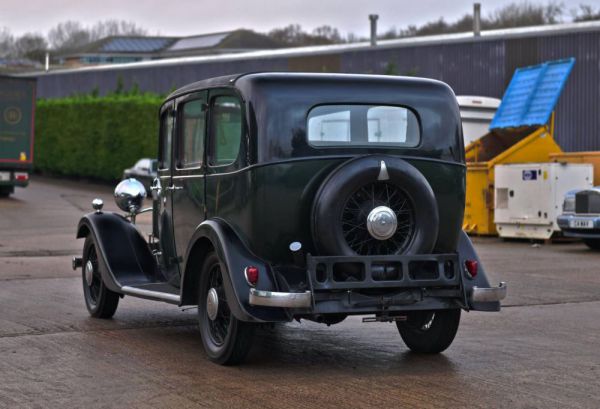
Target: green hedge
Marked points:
93	136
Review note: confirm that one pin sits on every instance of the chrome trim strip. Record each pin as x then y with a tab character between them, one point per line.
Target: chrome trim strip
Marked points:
278	299
489	294
156	295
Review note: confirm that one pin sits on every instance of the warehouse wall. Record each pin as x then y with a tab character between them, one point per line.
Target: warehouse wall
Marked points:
473	66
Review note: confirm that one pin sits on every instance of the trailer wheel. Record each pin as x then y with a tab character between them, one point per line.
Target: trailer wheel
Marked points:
429	332
99	300
226	340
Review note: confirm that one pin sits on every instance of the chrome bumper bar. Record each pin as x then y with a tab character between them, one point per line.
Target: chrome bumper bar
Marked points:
489	294
278	299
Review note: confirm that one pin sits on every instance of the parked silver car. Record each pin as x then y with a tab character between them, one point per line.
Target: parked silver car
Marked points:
581	216
144	170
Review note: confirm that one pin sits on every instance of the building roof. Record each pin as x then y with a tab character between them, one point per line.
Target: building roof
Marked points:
199	41
171	46
135	44
520	32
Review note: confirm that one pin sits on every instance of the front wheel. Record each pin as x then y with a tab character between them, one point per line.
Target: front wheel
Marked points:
429	332
226	340
99	300
593	244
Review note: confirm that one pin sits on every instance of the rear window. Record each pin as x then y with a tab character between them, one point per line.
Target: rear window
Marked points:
360	125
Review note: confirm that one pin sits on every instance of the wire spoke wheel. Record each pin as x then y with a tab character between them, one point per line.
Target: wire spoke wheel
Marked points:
356	210
219	327
96	280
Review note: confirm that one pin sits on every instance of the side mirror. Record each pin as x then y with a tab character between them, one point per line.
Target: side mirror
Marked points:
129	195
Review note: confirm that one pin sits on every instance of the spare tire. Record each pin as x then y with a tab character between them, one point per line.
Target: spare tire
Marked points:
375	205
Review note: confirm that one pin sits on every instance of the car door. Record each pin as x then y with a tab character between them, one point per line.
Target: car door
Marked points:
162	195
189	208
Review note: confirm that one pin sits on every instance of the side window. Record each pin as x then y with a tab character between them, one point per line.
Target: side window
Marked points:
191	133
226	130
166	133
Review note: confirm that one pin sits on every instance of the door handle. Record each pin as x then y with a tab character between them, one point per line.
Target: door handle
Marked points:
173	187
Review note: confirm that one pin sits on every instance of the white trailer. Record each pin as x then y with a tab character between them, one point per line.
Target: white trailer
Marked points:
476	113
528	197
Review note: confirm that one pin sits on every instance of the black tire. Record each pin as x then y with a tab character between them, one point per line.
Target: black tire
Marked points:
99	300
333	198
593	244
5	191
226	340
429	332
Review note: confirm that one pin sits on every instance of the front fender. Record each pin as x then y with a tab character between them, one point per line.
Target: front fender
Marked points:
124	253
236	256
466	251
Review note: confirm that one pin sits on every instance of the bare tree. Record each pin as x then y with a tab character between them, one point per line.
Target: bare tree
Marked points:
68	35
115	28
586	13
329	34
7	42
32	46
524	13
71	35
292	34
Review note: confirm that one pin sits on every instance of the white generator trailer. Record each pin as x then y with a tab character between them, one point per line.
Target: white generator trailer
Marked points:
529	197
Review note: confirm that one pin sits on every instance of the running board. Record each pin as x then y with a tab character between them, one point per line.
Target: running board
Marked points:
151	295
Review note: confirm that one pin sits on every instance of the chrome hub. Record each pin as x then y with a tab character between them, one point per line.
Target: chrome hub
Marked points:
382	223
212	304
89	273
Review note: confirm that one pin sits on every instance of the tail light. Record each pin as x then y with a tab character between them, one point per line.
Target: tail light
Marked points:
251	274
472	266
21	176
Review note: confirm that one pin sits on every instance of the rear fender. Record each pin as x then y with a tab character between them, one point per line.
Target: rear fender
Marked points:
124	253
466	251
218	235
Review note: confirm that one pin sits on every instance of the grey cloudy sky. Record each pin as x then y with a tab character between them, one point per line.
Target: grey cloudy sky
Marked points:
187	17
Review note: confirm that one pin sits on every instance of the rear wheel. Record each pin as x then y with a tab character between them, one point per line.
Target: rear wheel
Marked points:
5	191
99	300
429	332
594	244
226	340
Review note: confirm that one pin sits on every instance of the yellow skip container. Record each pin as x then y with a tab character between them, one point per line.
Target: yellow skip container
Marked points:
522	131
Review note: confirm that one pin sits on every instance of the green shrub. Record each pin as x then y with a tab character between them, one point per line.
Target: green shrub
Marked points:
93	136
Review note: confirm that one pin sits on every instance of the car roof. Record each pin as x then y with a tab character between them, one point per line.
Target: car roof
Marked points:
302	77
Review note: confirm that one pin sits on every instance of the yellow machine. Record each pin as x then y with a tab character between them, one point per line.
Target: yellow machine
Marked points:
522	131
521	145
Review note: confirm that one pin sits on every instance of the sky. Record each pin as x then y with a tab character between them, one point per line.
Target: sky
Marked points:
188	17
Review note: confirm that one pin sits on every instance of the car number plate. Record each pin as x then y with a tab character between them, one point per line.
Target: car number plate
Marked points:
581	224
4	176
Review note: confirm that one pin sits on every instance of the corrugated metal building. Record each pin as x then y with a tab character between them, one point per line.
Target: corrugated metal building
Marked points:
481	65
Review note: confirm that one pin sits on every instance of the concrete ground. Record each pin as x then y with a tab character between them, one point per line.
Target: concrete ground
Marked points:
541	351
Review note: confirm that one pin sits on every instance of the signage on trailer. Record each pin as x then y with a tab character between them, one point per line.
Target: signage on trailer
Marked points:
17	106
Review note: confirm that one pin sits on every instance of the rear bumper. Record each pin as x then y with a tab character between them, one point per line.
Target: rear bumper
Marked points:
371	284
280	299
305	299
491	294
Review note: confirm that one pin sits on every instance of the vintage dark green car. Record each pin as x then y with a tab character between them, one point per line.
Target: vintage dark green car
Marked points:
286	196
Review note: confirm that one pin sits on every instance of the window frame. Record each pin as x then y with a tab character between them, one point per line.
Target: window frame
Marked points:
177	152
168	110
367	145
209	150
